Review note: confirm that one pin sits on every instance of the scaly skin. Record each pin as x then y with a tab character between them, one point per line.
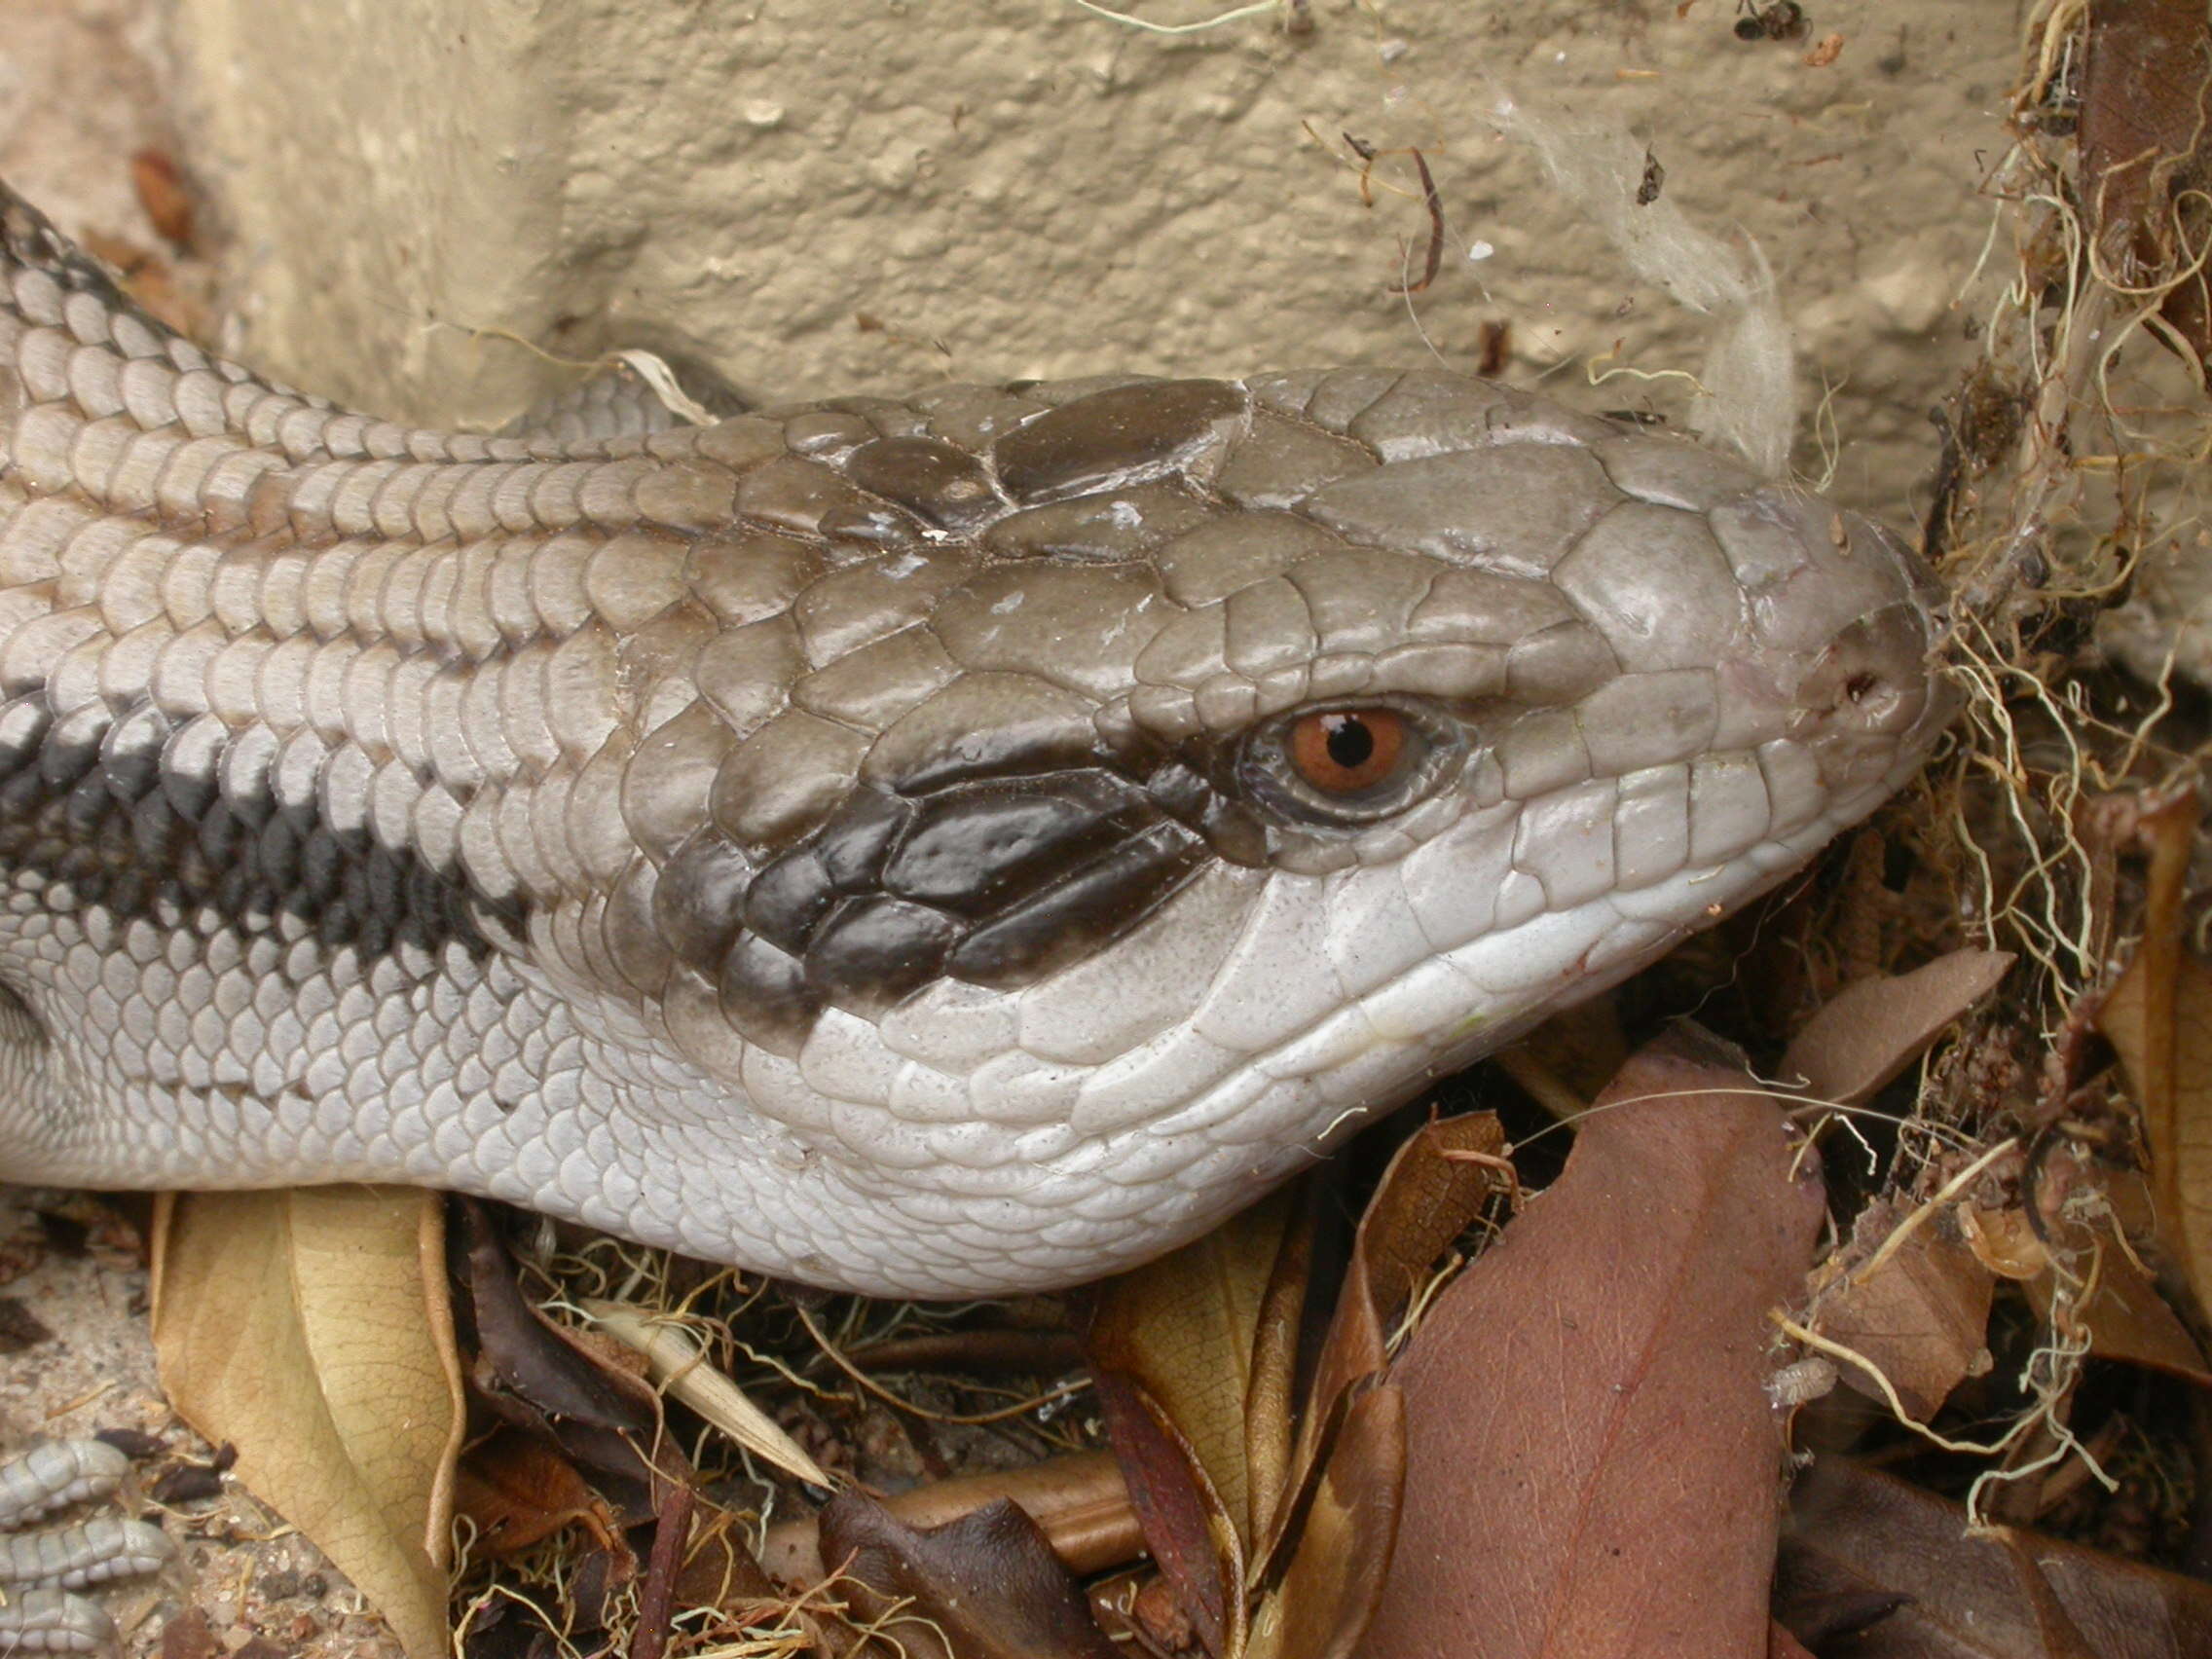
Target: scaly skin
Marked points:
859	840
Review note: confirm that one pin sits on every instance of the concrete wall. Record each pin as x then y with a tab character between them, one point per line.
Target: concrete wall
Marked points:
869	195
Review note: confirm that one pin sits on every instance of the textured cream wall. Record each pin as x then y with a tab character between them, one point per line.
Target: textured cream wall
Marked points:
1014	188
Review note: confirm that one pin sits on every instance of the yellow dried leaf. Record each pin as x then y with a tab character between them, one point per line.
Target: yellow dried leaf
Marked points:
1334	1581
310	1328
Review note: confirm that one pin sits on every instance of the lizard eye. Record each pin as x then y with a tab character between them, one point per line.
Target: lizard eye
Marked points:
1347	766
1345	751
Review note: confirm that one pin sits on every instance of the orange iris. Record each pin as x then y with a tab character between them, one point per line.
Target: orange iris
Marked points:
1345	751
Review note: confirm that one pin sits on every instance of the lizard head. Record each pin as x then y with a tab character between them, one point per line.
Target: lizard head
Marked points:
941	846
1099	799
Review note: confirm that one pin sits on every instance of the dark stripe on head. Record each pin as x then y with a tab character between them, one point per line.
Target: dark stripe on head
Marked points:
993	881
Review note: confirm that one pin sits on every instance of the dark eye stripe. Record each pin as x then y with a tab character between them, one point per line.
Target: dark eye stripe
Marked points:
994	882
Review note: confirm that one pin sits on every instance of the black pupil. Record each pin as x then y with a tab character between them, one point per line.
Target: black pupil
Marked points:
1349	742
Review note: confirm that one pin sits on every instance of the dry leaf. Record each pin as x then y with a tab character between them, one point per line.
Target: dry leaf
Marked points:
1591	1456
310	1328
1870	1032
1188	1528
573	1388
1079	1501
1271	1399
2125	1317
2180	1132
1329	1541
1435	1186
2105	1292
2146	154
2003	1240
1918	1314
677	1363
1185	1329
1431	1193
516	1490
2158	1018
1345	1529
983	1587
1891	1572
1193	1391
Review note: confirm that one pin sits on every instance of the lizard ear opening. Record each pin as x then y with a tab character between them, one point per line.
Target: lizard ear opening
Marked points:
23	1041
18	1025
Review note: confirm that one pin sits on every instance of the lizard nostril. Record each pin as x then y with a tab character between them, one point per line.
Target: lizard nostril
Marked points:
1868	678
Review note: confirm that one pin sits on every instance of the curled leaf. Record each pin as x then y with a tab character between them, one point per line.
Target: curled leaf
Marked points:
1079	1502
677	1362
983	1587
310	1328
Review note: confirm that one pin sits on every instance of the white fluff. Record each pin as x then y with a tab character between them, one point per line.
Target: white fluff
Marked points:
1749	380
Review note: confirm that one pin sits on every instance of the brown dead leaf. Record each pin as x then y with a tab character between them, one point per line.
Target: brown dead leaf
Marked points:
1080	1501
1187	1527
310	1328
1917	1313
983	1587
2124	1317
2146	142
1870	1032
1435	1186
1591	1457
2158	1018
1431	1193
1194	1377
1346	1532
576	1389
516	1490
2097	1287
1892	1570
1320	1585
